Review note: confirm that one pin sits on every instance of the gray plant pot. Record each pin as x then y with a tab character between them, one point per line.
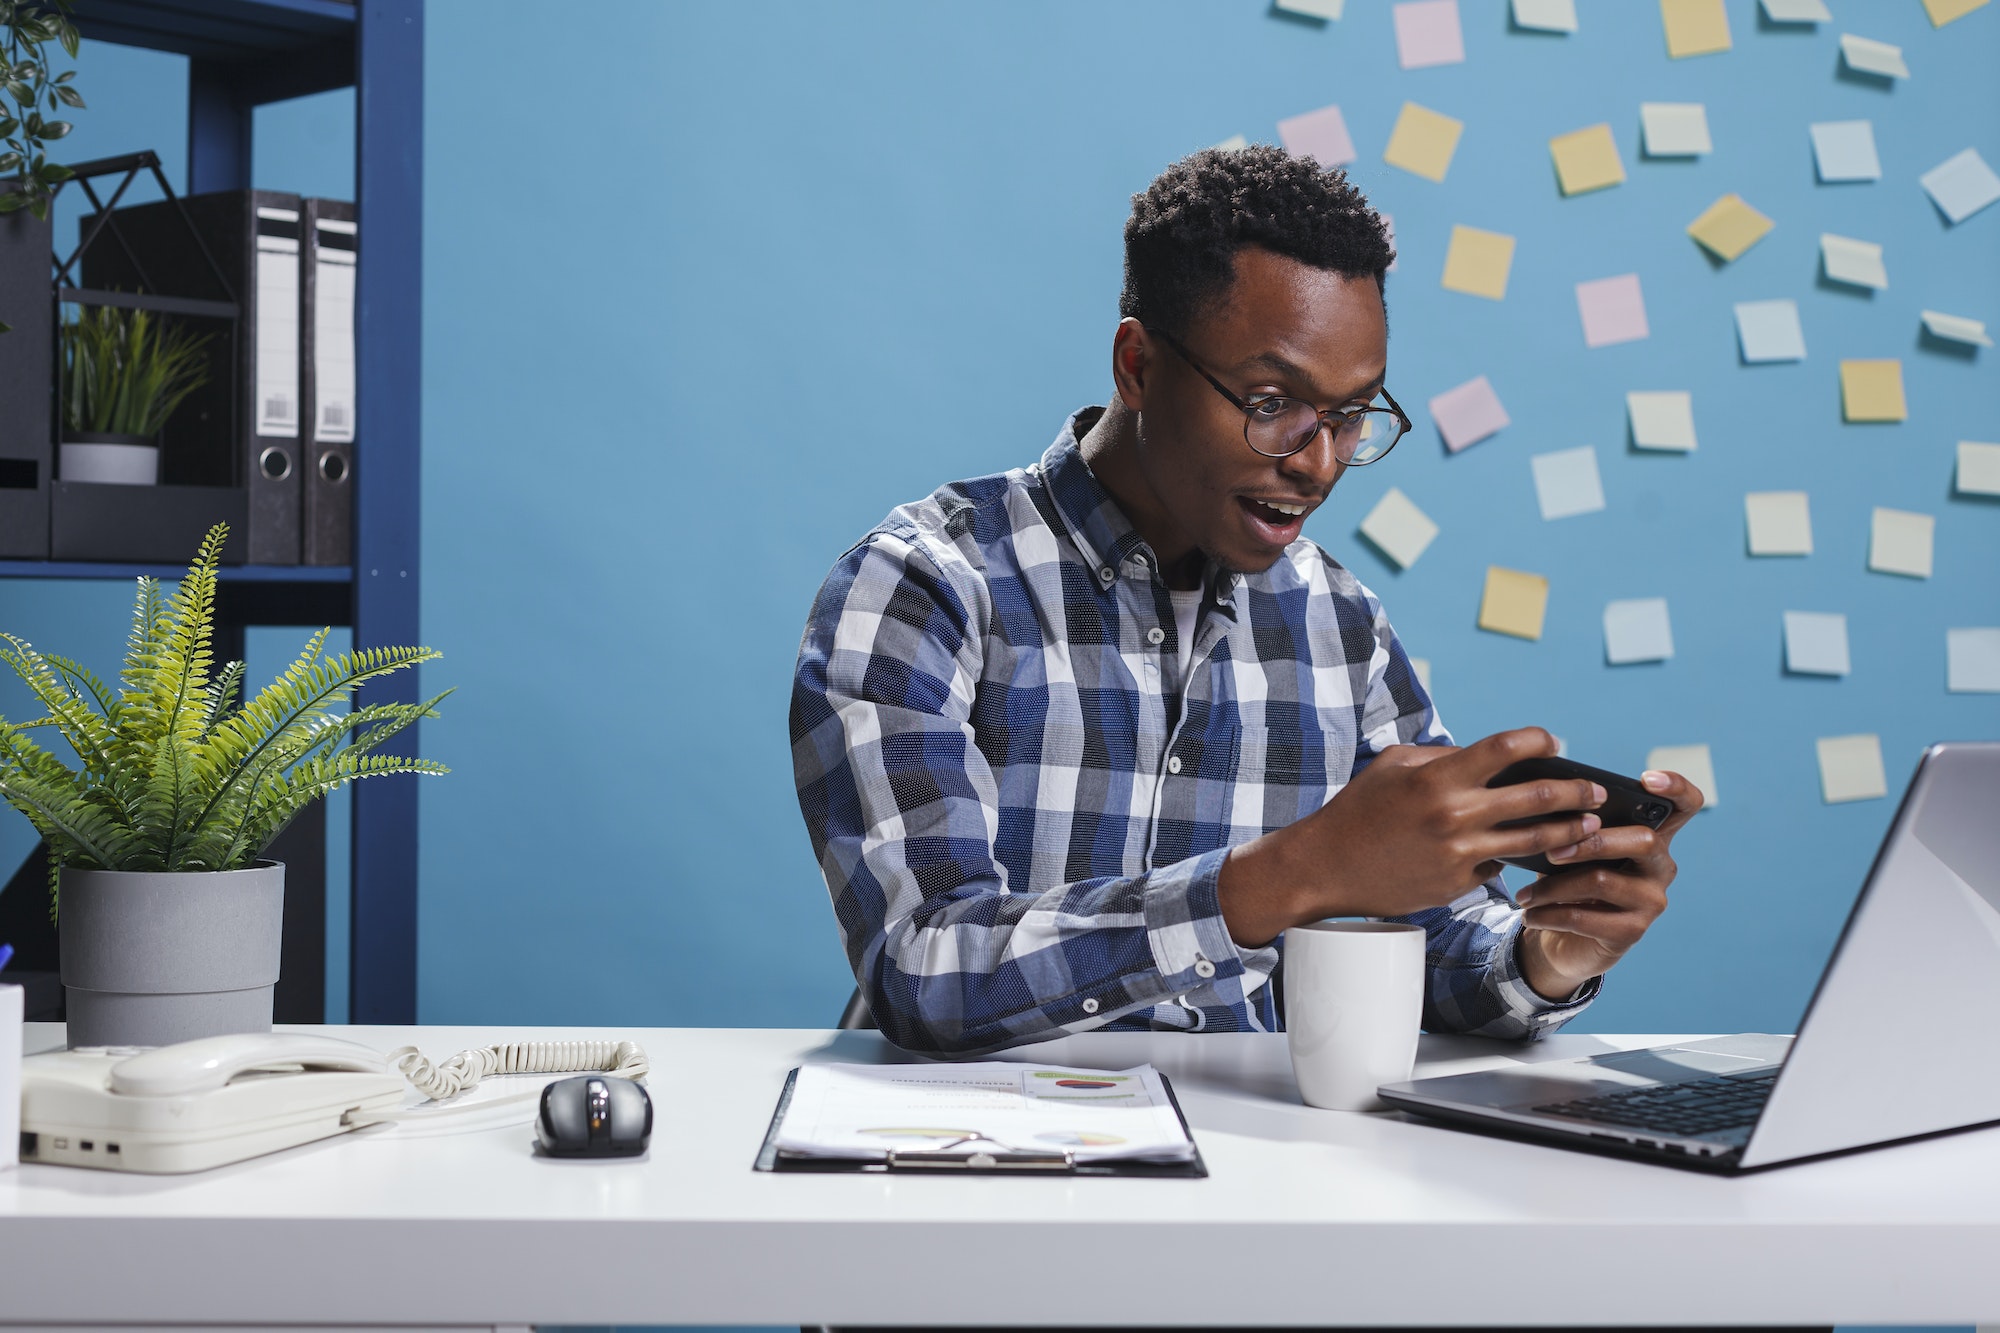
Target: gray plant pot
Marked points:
150	959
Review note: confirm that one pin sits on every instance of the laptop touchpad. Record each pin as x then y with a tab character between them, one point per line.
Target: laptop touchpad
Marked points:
1671	1064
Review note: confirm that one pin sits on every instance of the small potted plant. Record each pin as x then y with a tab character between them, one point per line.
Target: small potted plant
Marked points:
32	96
170	921
124	372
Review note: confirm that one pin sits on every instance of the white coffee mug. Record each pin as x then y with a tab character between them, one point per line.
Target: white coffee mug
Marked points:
1354	998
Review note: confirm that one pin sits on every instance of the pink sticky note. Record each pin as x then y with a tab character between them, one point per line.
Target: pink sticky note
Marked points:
1468	414
1613	310
1427	33
1320	134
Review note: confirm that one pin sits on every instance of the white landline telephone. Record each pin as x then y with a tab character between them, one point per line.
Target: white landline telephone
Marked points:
206	1103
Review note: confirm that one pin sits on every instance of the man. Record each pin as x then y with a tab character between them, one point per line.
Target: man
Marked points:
1077	743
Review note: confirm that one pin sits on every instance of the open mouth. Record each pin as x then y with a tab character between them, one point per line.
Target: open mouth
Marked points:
1275	522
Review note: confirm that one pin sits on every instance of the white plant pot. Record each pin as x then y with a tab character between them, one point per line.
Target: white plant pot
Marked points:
154	958
117	460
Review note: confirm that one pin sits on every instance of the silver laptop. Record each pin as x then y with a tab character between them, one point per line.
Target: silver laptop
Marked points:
1891	1047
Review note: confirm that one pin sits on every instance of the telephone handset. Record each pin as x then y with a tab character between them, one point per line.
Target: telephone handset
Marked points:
205	1103
210	1063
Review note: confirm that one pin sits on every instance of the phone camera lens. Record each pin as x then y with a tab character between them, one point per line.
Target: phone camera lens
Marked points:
1656	811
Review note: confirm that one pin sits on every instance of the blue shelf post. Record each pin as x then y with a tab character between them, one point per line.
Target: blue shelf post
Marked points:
389	110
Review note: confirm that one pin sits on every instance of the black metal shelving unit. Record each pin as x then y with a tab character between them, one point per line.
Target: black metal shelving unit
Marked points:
244	54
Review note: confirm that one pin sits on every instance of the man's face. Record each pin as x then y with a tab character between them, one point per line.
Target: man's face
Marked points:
1285	328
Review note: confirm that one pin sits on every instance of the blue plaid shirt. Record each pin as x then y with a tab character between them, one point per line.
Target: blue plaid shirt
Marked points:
1019	816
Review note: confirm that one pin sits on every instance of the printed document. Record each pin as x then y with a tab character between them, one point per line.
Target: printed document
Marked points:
868	1111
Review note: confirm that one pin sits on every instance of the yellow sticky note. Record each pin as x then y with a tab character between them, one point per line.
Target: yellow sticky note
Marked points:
1694	27
1587	159
1944	11
1478	262
1729	227
1423	141
1514	603
1872	391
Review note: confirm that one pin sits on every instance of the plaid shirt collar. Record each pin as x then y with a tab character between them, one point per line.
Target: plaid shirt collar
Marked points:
1096	522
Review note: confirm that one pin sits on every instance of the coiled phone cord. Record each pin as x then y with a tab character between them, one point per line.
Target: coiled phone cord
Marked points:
462	1072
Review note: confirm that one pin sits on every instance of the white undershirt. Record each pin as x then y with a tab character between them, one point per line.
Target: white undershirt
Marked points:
1187	614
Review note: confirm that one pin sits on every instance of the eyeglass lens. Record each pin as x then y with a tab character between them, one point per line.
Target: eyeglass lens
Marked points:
1359	438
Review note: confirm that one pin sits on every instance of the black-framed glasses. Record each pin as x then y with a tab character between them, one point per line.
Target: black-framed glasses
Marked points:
1278	427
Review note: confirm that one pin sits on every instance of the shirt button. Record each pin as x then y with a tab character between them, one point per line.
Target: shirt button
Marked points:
1173	763
1156	635
1107	573
1203	968
1090	1006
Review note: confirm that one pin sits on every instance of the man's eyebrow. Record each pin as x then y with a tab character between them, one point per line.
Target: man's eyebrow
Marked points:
1292	371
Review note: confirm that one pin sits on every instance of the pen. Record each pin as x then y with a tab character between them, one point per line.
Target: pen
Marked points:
6	956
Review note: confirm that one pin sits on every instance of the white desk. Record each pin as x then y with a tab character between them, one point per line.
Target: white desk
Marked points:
1309	1217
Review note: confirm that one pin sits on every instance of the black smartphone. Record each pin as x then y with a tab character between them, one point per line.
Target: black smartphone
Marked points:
1626	801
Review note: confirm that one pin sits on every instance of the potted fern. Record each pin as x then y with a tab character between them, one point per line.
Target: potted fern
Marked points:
124	373
170	921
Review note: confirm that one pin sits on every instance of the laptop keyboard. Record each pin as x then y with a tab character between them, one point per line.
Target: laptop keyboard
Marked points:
1689	1110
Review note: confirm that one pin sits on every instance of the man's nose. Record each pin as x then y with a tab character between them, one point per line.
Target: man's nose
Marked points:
1317	464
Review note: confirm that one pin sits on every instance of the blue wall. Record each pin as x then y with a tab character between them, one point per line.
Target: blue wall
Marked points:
761	273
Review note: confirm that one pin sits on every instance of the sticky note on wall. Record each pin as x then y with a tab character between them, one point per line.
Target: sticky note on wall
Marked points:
1858	263
1587	159
1961	185
1944	11
1514	603
1900	542
1398	528
1873	57
1613	310
1546	15
1692	762
1661	419
1816	643
1769	331
1955	328
1427	33
1567	483
1423	142
1637	630
1469	413
1729	227
1321	135
1780	522
1978	468
1478	262
1850	768
1844	150
1872	391
1694	27
1328	10
1972	660
1675	129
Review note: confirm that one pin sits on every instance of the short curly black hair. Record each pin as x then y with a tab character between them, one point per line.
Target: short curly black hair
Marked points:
1186	227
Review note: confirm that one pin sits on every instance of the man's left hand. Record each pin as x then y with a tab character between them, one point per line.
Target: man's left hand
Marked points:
1579	922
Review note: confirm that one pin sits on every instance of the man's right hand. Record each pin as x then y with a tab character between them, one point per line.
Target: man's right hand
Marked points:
1415	829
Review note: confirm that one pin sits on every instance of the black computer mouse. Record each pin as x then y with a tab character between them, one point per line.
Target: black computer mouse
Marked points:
595	1115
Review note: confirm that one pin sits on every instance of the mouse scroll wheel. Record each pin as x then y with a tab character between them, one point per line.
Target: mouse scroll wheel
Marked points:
597	1100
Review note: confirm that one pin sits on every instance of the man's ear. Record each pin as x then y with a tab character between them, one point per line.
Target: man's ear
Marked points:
1131	363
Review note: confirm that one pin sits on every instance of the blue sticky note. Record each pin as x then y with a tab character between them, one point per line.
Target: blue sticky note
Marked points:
1845	150
1962	185
1816	643
1637	630
1770	331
